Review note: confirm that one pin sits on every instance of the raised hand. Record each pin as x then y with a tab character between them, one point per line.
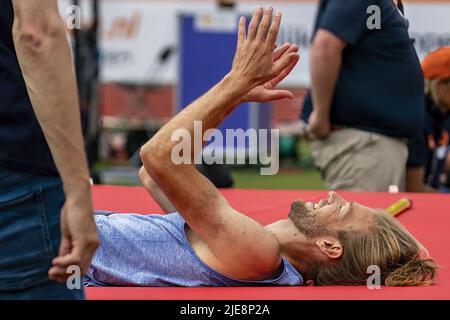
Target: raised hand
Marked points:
255	63
268	92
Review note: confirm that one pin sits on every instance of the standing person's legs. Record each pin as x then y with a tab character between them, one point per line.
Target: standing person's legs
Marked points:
356	160
30	208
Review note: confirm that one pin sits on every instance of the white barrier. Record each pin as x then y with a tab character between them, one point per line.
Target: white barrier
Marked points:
134	33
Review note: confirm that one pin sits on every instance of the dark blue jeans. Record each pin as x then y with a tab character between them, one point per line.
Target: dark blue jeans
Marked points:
30	207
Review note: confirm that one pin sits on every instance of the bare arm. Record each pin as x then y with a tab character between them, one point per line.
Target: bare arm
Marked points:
255	253
44	56
326	59
155	191
264	93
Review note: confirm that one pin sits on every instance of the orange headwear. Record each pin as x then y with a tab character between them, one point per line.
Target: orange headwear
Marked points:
437	64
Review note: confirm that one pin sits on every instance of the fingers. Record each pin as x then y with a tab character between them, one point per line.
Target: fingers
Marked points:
254	23
68	260
280	95
65	246
79	255
241	31
274	29
281	51
287	70
75	258
60	264
58	274
256	49
292	49
285	63
265	29
285	49
264	26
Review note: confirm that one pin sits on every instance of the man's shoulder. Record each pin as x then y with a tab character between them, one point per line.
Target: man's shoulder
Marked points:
362	6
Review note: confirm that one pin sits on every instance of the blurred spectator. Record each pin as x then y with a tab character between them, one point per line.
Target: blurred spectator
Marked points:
429	150
446	186
367	94
226	3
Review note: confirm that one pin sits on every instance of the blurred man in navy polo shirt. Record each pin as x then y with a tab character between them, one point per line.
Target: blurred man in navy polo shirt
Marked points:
367	94
46	222
429	149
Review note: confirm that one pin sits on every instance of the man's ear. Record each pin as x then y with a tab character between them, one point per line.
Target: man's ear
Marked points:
330	246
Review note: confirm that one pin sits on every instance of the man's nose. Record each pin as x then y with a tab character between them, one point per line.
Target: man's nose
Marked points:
333	197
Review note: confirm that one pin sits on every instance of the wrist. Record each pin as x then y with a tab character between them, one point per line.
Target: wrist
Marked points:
321	114
238	85
79	190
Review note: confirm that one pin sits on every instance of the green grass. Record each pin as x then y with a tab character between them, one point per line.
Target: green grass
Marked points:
290	179
294	174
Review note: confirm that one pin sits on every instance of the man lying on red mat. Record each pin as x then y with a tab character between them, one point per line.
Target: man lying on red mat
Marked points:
208	243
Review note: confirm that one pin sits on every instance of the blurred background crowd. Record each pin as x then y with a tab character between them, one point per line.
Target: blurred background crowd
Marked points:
372	89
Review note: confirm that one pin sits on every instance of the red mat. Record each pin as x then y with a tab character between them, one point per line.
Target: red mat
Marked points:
429	221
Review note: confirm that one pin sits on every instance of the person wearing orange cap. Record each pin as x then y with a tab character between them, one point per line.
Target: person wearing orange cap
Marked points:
429	151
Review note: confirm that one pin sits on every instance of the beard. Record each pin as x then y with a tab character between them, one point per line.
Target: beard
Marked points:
307	221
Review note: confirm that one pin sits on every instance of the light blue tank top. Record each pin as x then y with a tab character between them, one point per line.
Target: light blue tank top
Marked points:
153	251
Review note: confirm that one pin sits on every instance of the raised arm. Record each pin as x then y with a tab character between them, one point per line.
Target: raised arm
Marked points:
242	246
44	56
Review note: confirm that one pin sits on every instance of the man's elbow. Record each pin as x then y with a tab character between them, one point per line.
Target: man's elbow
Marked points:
146	180
37	35
153	157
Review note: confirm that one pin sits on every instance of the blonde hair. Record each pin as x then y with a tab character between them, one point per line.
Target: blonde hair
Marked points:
389	246
431	88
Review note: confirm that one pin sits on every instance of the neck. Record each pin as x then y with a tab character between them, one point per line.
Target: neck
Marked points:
296	248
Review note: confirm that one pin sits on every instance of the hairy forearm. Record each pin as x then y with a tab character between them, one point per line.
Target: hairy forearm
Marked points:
325	66
160	197
45	59
202	206
177	181
157	194
210	109
155	191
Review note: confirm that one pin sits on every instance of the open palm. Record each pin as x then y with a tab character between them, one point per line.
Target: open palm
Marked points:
268	91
